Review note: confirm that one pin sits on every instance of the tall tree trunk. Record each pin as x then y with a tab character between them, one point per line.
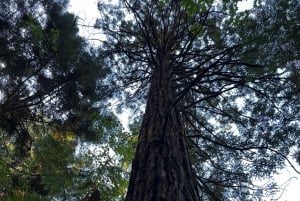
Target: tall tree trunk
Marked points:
161	169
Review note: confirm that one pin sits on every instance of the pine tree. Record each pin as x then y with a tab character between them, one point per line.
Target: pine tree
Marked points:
50	92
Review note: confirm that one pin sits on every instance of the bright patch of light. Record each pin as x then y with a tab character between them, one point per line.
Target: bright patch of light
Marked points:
1	95
124	119
283	73
48	73
245	5
2	65
234	129
87	12
214	122
240	102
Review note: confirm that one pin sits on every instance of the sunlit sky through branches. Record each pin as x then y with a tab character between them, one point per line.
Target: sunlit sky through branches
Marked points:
87	12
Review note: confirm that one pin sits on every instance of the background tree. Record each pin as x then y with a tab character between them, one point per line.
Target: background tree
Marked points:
217	113
44	60
271	34
51	109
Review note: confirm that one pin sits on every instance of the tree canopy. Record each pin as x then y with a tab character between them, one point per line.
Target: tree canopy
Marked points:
214	92
234	87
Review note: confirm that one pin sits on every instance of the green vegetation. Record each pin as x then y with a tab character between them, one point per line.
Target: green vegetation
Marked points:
220	88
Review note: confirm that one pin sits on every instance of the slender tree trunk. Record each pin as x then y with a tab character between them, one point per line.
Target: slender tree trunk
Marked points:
161	169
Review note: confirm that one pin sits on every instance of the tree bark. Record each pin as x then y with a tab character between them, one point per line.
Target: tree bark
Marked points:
161	169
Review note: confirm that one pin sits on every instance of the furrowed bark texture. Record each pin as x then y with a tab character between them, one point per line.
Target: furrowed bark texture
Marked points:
161	169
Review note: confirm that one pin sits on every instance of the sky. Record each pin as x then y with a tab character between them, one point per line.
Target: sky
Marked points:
286	178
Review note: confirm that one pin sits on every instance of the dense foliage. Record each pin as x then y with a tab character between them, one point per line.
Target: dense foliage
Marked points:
234	77
52	111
